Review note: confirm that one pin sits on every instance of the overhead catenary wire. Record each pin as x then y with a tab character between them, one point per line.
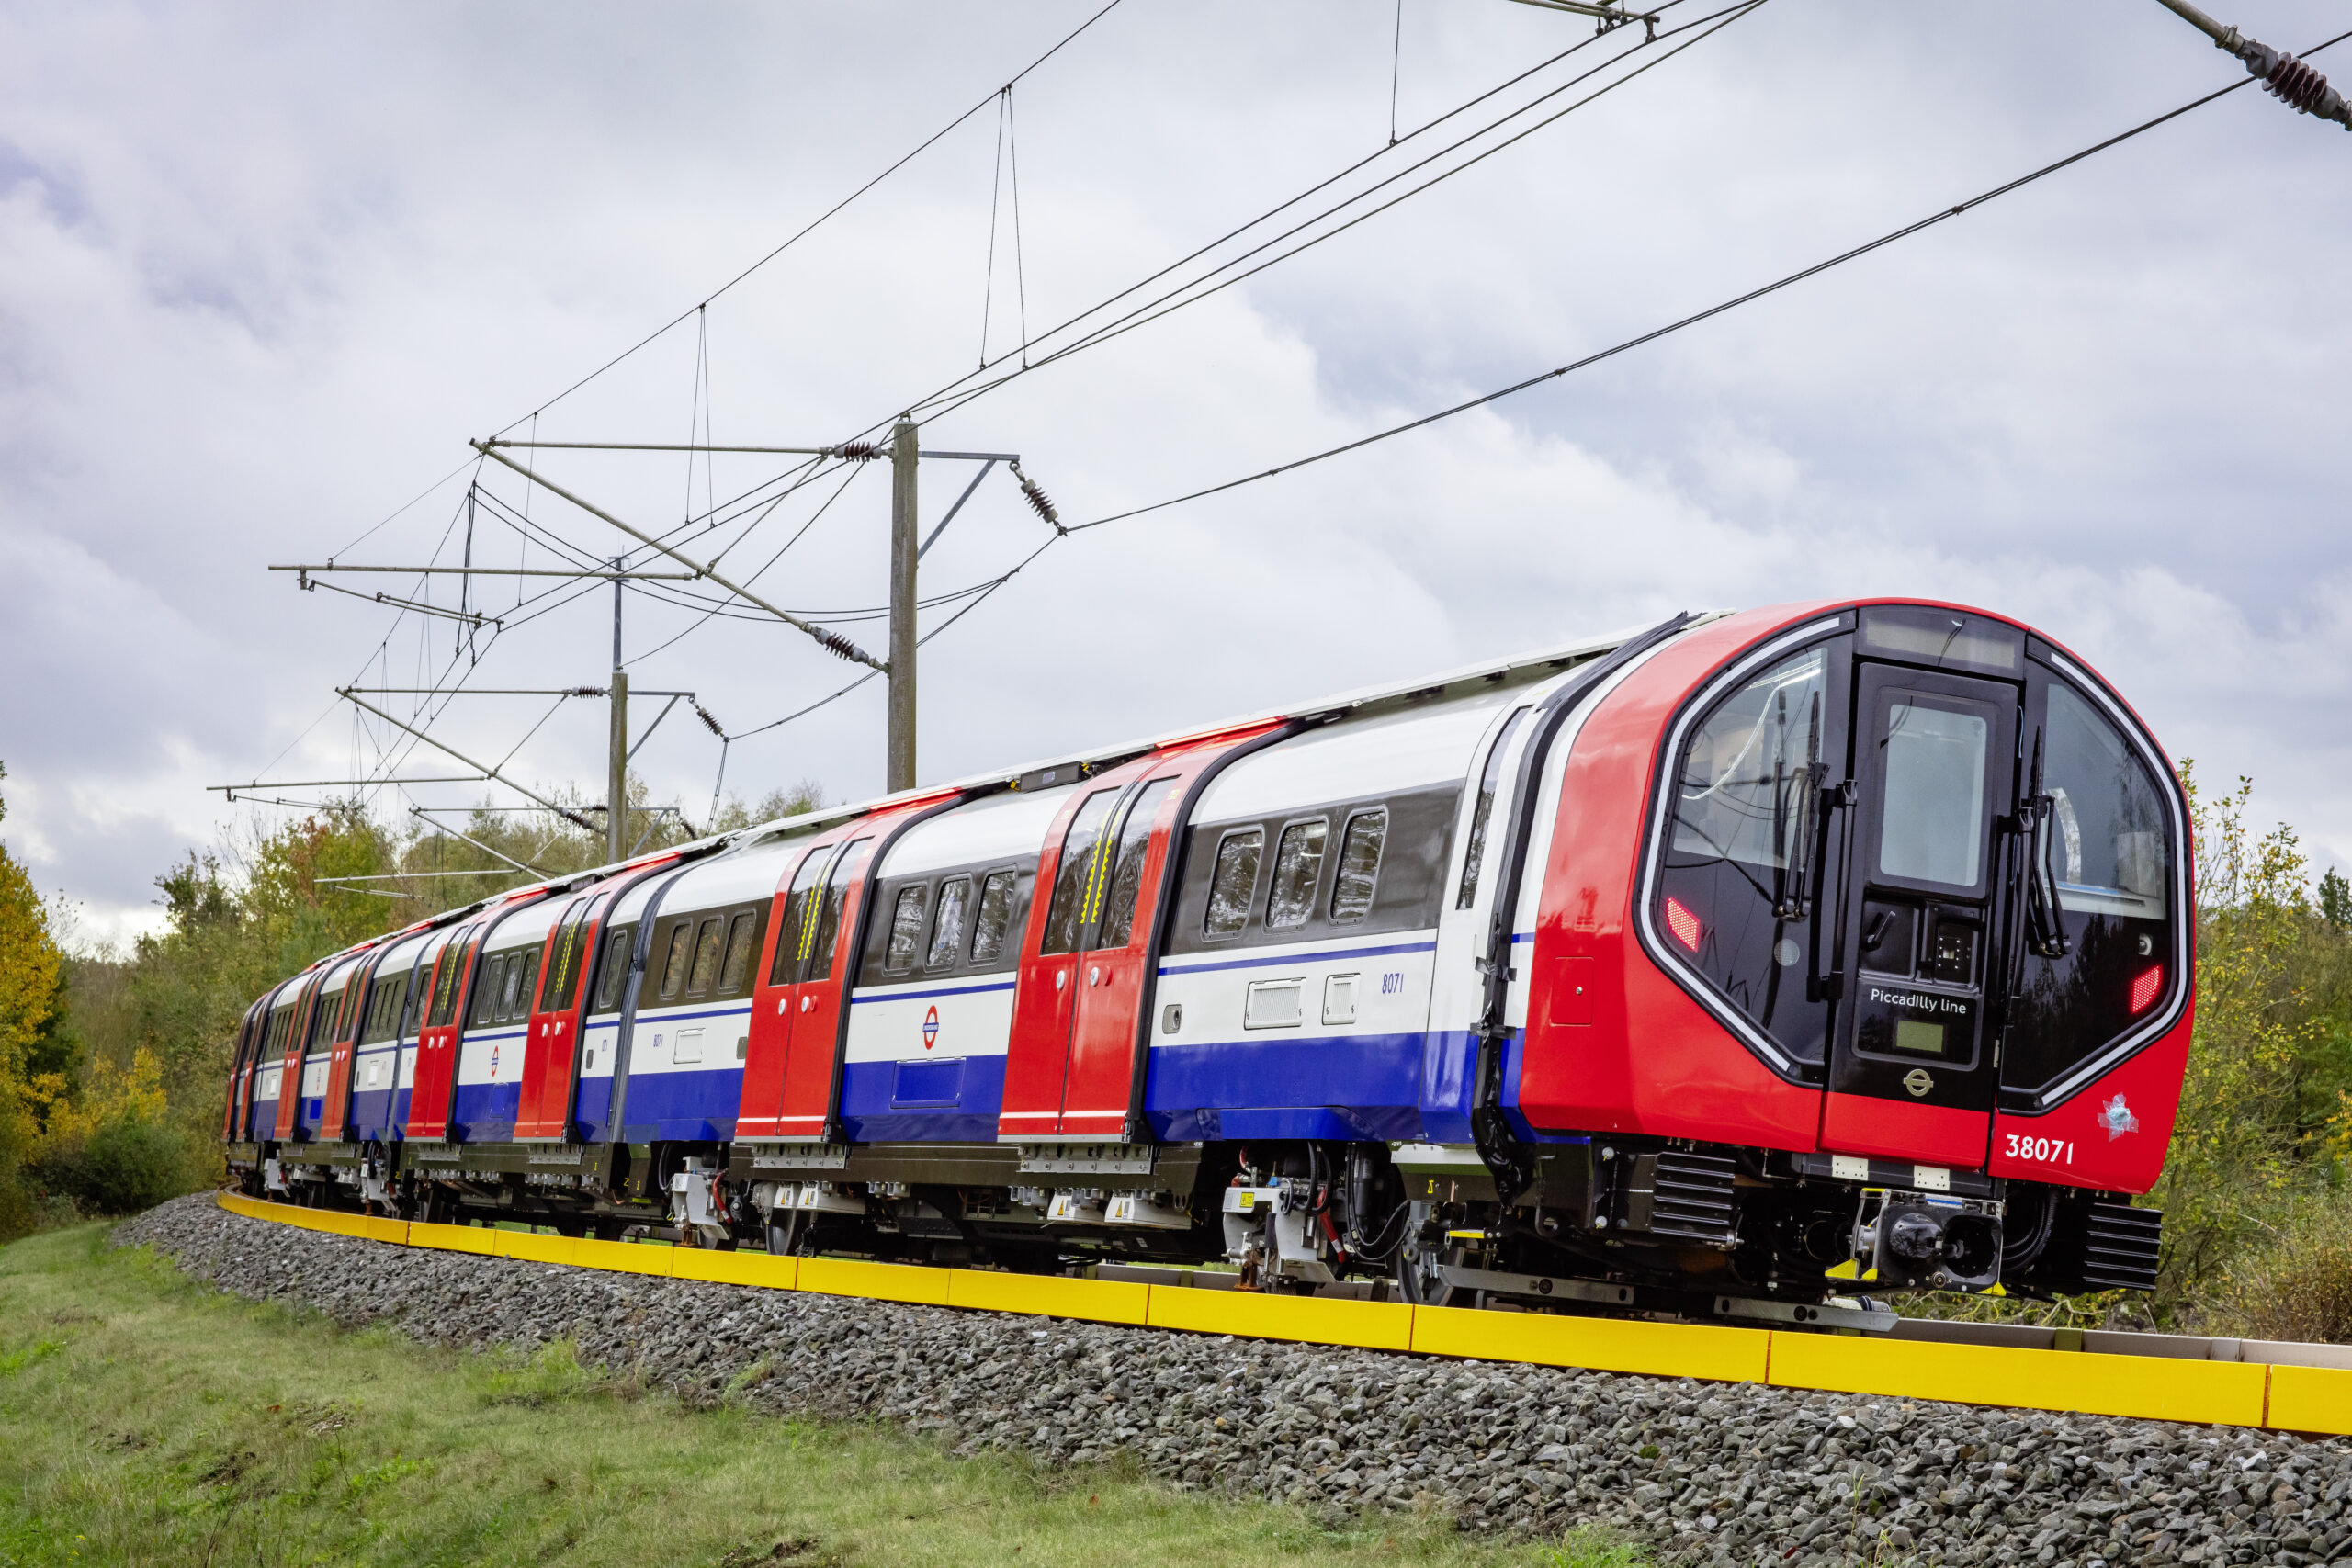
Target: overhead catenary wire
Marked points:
821	219
1695	318
1200	289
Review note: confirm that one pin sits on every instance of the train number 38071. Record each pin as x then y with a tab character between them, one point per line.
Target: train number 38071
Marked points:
2041	1151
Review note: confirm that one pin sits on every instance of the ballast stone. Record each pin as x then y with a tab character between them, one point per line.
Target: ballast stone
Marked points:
1703	1473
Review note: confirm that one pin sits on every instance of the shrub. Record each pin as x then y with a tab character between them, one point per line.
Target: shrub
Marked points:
2300	1286
122	1167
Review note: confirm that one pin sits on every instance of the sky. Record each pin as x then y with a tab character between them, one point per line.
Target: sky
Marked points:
265	270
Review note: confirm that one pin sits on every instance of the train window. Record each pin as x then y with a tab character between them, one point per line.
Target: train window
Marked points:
996	915
483	1006
947	926
678	958
709	946
742	934
1126	871
612	977
384	1008
525	986
1745	797
906	928
799	919
323	1019
454	958
1233	884
1360	849
564	966
2112	854
1299	869
829	927
1932	827
2109	853
1077	875
1488	783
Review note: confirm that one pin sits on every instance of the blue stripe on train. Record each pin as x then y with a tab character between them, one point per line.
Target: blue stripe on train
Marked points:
697	1106
379	1113
1357	1085
928	1099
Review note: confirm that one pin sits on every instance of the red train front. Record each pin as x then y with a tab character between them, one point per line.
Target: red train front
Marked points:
1862	937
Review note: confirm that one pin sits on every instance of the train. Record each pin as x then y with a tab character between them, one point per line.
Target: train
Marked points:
1757	966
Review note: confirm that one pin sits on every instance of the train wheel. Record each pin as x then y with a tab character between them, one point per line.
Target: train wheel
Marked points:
1418	1280
785	1234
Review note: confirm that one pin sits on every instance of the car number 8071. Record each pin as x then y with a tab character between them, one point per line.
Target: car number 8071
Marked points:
2043	1151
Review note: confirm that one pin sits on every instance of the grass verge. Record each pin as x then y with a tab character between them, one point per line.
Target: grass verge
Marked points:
145	1419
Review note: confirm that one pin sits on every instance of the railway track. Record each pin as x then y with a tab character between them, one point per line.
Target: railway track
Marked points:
2260	1384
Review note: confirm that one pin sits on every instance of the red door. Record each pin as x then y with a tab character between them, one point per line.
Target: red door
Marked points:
436	1044
1074	1066
551	1042
812	1057
290	1081
334	1118
792	938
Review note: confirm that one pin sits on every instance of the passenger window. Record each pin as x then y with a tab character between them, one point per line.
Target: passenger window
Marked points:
1233	882
1360	849
563	973
799	919
705	973
384	1008
526	967
1077	874
1298	866
947	929
612	979
681	955
996	917
1488	782
906	928
483	1007
1127	871
829	929
740	933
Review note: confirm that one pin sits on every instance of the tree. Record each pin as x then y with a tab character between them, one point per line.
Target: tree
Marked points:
2336	900
30	1032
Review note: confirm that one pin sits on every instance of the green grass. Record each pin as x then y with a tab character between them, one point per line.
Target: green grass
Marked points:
146	1419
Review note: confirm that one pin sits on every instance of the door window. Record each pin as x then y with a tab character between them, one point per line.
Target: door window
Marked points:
1932	826
801	905
829	925
1127	871
1077	875
570	956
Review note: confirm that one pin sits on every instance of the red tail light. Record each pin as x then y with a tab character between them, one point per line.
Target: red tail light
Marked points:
2146	988
1686	927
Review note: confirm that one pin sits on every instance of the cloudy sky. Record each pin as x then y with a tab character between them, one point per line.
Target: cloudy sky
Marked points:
265	269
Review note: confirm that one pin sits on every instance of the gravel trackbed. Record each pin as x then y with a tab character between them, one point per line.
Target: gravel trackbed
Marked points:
1701	1472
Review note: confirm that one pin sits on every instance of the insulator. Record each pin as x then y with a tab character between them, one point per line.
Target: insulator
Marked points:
1038	502
857	451
704	714
2295	83
833	642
